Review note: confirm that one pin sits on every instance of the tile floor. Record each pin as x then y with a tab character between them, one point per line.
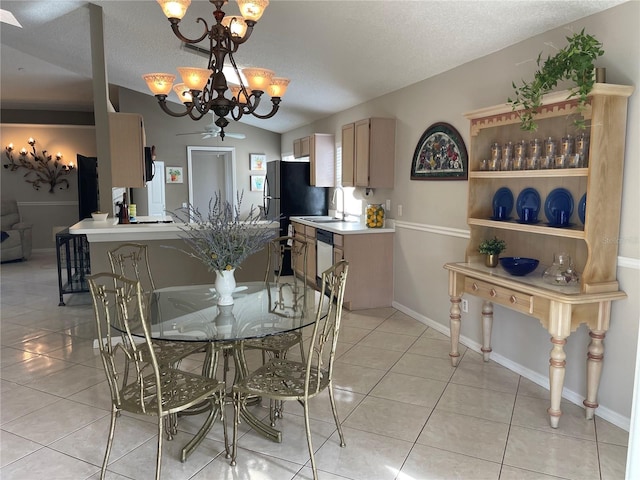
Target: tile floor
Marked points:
406	413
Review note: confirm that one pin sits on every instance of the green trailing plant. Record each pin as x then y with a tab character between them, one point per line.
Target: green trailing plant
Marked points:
493	246
575	63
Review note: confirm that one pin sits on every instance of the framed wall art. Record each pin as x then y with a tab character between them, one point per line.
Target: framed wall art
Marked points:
258	162
440	155
174	175
257	183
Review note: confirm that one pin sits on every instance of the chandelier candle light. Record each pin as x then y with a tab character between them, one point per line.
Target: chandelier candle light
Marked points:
203	89
42	168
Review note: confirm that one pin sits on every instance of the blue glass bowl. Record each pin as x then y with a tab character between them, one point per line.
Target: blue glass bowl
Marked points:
519	266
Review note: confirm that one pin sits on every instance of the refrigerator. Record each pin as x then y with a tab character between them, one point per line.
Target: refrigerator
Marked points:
288	193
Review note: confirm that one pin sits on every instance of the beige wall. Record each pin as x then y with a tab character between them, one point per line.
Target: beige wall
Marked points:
39	207
432	228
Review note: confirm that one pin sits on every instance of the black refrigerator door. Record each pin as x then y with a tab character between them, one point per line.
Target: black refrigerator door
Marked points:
87	186
297	196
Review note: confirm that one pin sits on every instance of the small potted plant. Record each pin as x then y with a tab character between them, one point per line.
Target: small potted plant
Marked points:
492	248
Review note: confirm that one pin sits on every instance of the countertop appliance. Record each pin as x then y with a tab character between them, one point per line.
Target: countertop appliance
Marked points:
288	193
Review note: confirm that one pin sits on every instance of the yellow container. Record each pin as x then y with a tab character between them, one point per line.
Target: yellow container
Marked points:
375	216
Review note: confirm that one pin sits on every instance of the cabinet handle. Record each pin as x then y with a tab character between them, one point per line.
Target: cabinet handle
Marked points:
493	292
513	299
474	287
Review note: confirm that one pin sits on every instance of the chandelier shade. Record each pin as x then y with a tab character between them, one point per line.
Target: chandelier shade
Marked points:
159	83
205	90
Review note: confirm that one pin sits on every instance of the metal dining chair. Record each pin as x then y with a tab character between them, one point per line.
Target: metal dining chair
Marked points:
281	379
157	390
131	260
277	346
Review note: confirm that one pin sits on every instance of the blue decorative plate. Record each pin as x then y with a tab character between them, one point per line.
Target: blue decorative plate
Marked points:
528	198
503	197
558	199
582	208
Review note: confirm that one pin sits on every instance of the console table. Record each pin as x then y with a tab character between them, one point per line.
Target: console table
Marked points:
560	310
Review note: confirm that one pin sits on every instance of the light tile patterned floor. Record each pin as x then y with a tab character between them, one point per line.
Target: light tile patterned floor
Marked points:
407	414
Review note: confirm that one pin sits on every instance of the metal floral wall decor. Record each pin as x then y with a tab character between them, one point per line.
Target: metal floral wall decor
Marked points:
440	155
41	167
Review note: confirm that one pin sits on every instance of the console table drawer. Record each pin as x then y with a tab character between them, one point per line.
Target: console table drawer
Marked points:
500	295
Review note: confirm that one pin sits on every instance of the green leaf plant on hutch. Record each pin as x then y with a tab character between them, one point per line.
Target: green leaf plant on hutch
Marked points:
574	62
492	248
590	238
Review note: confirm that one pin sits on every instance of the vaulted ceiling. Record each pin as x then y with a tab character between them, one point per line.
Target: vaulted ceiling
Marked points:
337	53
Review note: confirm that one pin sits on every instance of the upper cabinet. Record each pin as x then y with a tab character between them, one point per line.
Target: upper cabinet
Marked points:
127	140
301	147
368	153
320	149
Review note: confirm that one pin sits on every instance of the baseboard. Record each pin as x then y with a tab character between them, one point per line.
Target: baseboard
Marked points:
541	380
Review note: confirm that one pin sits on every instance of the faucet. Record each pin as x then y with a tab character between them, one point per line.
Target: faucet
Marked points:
338	188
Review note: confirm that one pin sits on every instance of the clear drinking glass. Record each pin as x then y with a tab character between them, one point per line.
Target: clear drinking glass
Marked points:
562	271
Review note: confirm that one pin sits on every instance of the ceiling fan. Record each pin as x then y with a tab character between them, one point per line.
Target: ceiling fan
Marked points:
212	131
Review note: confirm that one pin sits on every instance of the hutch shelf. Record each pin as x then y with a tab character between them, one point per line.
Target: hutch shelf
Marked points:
591	244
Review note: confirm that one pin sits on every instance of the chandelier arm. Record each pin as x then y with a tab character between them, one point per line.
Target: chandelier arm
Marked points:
274	109
176	30
162	101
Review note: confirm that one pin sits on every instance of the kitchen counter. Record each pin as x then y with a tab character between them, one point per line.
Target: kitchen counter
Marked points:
345	228
146	228
170	266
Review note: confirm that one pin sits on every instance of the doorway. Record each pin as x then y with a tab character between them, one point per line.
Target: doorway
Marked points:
211	170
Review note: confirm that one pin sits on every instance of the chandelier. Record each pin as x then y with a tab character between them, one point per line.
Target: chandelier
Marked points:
203	90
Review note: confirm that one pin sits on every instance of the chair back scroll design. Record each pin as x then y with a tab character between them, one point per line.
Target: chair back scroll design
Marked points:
131	260
156	390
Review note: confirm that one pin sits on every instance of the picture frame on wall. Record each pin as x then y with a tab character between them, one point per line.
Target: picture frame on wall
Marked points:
258	162
257	183
440	155
174	175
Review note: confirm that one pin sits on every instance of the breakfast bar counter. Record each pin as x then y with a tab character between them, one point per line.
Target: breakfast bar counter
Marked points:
163	238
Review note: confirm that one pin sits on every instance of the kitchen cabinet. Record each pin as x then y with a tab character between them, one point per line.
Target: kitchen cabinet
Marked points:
369	157
320	149
370	257
589	240
127	141
307	234
301	147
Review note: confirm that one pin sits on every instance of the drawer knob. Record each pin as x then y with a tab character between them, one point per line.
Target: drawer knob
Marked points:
474	287
493	292
513	299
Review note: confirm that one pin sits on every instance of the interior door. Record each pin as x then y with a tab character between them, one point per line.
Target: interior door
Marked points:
156	192
211	170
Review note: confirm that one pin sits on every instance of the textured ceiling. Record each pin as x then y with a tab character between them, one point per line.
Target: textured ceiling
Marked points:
337	53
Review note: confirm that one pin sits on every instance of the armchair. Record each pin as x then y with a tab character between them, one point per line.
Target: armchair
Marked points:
16	235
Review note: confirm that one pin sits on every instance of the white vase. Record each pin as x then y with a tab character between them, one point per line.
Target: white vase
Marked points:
225	285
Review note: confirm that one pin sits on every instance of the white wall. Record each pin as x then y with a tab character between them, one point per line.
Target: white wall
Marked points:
432	228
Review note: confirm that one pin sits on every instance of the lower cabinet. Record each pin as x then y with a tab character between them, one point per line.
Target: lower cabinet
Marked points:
308	234
370	280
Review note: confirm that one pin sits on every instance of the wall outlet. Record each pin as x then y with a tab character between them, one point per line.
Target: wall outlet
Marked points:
184	204
388	205
465	305
399	210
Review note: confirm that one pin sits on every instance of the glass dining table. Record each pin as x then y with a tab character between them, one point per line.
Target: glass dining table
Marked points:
191	314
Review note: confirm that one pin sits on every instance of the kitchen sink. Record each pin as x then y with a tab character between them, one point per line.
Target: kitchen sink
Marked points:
327	220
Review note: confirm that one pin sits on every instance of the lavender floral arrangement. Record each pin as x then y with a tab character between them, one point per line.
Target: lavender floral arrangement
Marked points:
222	239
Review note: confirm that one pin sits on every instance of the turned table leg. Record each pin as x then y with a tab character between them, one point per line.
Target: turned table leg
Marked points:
594	371
556	379
454	326
487	324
